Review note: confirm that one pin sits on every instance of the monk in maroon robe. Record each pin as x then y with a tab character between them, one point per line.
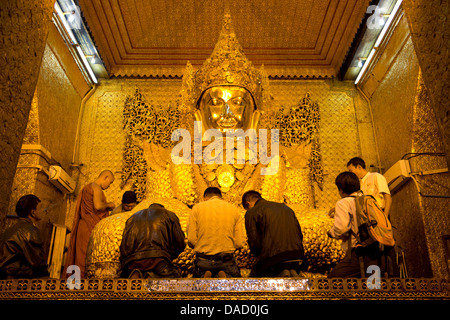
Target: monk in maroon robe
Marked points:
91	208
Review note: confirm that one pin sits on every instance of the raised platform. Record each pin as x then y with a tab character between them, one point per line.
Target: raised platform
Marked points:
226	289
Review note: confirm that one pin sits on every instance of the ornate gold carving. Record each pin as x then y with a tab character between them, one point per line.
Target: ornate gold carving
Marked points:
228	65
225	176
149	122
299	127
308	286
148	129
298	123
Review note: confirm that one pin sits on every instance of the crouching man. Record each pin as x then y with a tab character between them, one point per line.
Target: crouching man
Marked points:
152	238
274	237
22	252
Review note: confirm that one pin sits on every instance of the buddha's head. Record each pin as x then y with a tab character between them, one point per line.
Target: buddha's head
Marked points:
227	108
227	90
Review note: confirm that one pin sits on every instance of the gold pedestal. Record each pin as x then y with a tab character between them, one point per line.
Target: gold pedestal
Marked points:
226	289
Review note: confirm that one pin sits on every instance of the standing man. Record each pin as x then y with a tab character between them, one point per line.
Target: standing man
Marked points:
22	253
215	230
375	184
274	237
372	183
91	208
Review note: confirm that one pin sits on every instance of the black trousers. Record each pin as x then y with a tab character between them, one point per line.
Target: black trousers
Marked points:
225	262
162	269
276	270
349	266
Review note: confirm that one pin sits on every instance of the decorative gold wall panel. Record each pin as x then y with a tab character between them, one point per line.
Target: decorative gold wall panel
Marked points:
103	137
429	21
103	140
51	125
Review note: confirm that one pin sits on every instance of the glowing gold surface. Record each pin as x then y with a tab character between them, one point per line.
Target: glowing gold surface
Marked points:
228	66
227	108
307	287
147	167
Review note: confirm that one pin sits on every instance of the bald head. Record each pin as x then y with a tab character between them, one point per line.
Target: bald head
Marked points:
106	173
105	178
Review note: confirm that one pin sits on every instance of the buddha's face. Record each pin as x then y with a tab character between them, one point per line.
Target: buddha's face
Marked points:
227	108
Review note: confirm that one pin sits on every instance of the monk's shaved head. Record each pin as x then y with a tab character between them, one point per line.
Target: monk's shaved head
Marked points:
106	173
105	179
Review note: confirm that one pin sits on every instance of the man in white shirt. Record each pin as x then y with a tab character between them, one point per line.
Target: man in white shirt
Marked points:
215	230
345	226
372	183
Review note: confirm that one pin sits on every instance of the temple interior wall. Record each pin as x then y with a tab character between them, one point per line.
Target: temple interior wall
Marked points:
405	124
50	133
23	34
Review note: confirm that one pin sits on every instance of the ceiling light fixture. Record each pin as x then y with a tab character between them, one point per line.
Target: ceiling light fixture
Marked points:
93	58
68	30
72	15
378	41
382	20
360	62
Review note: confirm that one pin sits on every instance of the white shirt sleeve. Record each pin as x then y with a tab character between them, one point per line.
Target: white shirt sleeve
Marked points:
381	184
342	220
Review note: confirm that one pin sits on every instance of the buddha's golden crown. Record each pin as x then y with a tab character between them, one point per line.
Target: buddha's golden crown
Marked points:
227	66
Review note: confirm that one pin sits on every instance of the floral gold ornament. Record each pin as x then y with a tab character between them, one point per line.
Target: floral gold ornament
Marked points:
228	65
225	176
240	176
210	176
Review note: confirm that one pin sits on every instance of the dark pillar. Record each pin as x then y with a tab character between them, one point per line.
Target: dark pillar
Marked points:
430	31
24	26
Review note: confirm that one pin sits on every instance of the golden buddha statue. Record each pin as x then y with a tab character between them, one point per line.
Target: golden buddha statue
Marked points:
228	101
227	108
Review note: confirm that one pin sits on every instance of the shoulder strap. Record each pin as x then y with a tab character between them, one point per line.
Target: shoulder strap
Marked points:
351	234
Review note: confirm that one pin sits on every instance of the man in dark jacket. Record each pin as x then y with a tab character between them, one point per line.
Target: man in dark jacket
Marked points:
274	237
152	238
22	253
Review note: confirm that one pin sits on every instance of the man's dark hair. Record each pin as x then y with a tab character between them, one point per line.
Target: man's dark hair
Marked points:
212	191
356	161
129	197
26	204
156	205
248	196
348	182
